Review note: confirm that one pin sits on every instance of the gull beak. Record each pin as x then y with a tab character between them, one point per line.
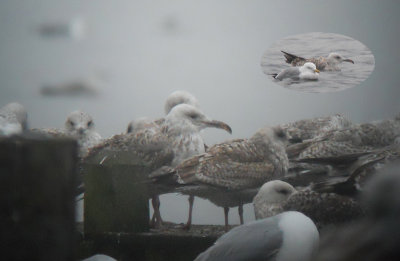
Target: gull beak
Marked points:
316	70
348	60
219	125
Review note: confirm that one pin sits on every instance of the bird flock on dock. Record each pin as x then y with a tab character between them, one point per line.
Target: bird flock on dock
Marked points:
302	177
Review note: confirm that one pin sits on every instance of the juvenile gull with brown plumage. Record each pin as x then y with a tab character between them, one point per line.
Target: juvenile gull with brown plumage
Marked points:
329	63
237	165
324	209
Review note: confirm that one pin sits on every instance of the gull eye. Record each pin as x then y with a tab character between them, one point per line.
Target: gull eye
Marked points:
193	116
71	123
337	57
283	191
280	133
90	124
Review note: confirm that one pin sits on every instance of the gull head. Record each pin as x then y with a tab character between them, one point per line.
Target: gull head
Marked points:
79	123
335	58
309	67
179	97
188	116
275	192
270	135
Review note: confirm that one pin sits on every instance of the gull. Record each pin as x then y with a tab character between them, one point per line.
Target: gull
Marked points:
80	126
308	71
284	237
238	164
178	138
13	119
329	63
315	127
324	209
349	143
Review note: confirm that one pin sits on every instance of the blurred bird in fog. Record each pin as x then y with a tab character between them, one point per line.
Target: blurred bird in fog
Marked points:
13	119
376	237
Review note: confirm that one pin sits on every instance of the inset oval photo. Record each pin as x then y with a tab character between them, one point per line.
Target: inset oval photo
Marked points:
318	62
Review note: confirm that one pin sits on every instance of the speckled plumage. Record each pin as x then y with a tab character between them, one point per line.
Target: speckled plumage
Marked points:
349	143
176	139
238	164
329	63
315	127
323	208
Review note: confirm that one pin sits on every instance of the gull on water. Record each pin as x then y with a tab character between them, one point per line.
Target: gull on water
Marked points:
237	165
324	209
288	236
329	63
308	71
13	119
178	139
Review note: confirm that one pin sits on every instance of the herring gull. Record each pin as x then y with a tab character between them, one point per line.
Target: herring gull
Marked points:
324	209
178	138
329	63
285	237
175	98
349	143
80	126
311	128
237	165
308	71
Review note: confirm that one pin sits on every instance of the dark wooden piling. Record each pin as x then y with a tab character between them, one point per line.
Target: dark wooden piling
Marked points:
116	200
37	199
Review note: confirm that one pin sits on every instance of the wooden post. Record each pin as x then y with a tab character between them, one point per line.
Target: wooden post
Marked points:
116	199
37	199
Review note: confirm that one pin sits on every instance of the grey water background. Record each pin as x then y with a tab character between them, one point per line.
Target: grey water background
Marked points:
316	44
147	49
